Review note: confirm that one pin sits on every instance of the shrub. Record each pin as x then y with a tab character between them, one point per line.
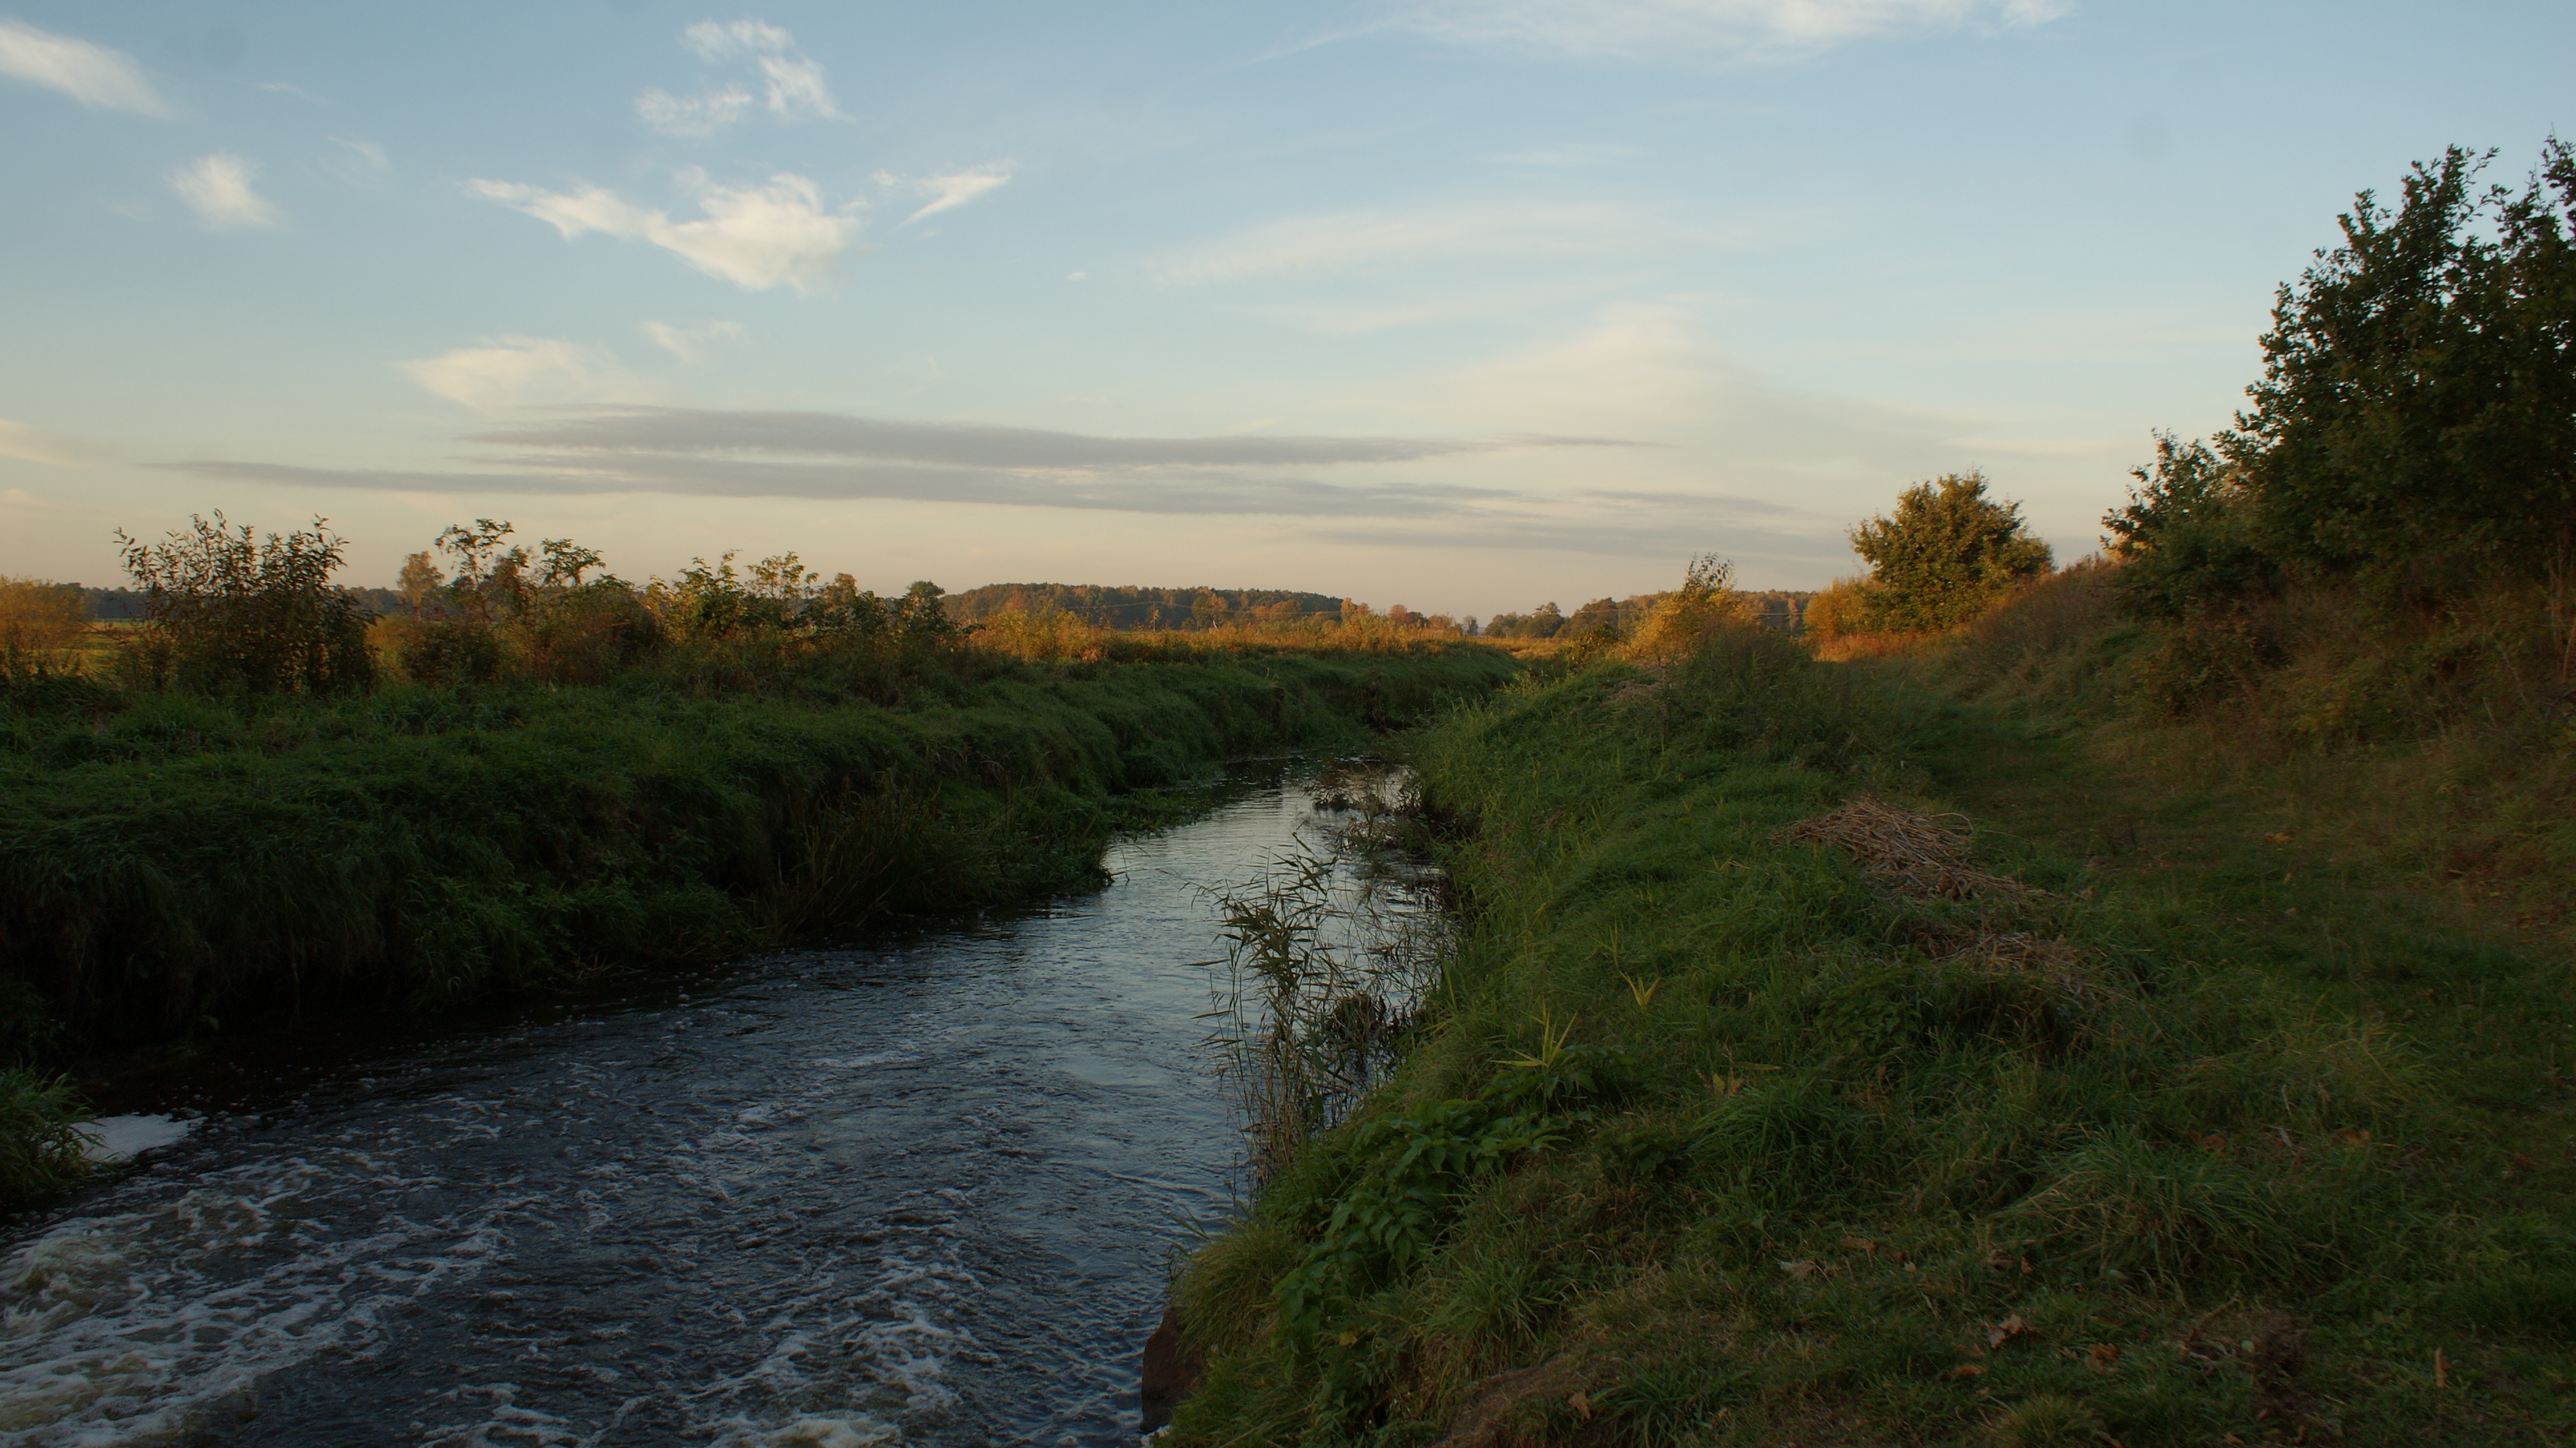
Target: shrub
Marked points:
1838	610
448	652
39	622
230	615
587	634
2187	536
1706	604
1950	553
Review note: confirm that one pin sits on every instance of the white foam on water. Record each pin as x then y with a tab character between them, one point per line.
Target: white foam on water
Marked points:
143	1325
866	1059
112	1139
154	1308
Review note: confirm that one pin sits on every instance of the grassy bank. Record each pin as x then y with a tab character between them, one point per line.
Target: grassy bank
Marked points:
172	864
2058	1093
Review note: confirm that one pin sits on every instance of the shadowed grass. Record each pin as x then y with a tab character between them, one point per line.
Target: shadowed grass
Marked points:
173	863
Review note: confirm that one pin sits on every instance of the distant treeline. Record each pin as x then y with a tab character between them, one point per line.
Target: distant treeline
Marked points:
1127	606
1131	607
110	604
1619	617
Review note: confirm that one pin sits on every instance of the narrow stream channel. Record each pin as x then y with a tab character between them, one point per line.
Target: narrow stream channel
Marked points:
917	1193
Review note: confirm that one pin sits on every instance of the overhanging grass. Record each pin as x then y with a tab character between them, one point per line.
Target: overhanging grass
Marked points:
2299	1134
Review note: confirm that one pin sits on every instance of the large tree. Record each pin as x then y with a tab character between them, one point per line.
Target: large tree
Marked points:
1948	554
2417	414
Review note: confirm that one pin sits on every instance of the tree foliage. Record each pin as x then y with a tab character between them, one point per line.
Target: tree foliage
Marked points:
2186	534
230	614
2416	419
1946	556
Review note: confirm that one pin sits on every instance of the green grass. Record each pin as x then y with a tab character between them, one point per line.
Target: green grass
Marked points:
173	865
39	1152
2279	1148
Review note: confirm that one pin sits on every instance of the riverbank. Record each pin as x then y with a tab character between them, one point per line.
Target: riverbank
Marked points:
1831	1058
177	866
917	1188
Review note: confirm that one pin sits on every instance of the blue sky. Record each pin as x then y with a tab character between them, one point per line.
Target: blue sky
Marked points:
1461	304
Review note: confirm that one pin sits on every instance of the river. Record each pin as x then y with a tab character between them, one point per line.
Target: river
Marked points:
921	1191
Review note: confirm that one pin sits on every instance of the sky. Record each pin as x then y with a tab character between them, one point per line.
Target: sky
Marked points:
1460	304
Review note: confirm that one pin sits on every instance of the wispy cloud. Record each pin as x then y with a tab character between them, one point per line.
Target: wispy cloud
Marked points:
367	151
698	115
501	373
1669	30
1352	241
949	190
690	343
35	445
218	189
756	237
676	430
97	77
792	82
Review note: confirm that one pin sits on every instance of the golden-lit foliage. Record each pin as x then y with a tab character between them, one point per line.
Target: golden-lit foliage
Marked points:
1058	637
40	622
1705	605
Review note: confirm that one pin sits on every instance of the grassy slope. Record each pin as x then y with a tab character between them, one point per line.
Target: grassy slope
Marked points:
187	860
2292	1163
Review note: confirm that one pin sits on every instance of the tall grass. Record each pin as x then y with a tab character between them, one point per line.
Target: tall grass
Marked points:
2439	738
174	864
2174	1132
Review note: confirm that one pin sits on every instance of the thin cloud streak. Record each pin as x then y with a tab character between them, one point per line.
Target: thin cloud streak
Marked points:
1189	494
950	191
36	445
1666	31
97	77
685	452
684	431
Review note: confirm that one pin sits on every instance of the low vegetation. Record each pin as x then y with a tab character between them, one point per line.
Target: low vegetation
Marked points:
1771	1094
2127	1004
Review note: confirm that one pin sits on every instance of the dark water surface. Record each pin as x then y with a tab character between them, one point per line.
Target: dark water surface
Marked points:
917	1193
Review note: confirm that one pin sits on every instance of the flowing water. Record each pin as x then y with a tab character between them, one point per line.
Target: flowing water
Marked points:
918	1192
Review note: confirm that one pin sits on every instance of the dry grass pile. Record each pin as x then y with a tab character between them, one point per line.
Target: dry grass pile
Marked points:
1924	857
1906	852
